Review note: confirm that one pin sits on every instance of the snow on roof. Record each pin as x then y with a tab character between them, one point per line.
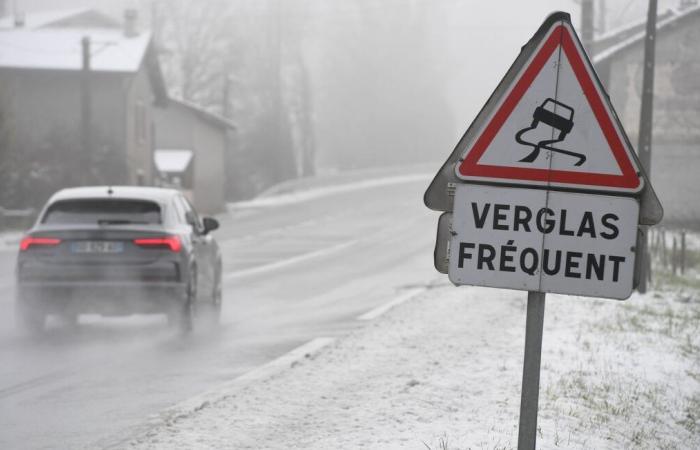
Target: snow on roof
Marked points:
172	160
131	192
202	113
662	23
60	49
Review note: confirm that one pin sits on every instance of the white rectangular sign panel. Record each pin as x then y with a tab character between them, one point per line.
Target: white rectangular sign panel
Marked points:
545	241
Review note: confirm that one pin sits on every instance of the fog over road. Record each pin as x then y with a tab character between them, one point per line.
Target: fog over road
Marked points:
294	272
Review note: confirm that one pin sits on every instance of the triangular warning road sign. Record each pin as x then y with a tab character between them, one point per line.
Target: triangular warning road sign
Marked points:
591	106
553	126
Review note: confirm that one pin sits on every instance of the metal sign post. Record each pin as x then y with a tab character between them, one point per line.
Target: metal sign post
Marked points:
645	126
529	396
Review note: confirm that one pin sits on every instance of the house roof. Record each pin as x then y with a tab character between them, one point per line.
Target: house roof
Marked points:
617	35
61	49
611	44
53	41
213	119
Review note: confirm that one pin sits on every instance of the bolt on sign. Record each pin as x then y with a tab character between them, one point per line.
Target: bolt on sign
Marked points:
544	188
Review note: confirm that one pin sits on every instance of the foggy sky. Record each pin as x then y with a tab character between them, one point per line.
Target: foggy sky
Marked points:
474	43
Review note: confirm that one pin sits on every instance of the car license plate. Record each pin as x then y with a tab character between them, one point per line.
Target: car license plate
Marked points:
97	247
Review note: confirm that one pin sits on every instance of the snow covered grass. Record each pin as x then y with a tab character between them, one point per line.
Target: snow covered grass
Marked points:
313	193
443	371
628	377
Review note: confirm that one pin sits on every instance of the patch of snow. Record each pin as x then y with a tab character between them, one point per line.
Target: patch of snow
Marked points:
382	309
316	193
192	405
61	49
172	160
660	25
445	370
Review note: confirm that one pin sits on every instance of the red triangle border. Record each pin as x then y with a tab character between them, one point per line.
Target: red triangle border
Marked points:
629	180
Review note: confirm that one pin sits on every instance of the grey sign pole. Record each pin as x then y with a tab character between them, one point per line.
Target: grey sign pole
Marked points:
529	396
645	128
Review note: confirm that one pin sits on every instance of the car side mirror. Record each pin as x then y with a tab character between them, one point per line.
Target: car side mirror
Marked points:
210	224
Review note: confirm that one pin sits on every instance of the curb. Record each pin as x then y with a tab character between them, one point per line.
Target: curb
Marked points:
185	408
380	310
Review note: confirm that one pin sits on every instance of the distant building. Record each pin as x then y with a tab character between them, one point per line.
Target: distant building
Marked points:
45	87
191	151
618	57
47	92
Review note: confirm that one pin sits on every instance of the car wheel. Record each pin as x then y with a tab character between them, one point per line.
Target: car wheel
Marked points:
212	312
183	315
188	308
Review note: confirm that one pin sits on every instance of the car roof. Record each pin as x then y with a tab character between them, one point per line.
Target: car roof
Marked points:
154	194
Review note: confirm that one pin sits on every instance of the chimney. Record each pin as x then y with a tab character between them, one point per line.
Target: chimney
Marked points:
130	17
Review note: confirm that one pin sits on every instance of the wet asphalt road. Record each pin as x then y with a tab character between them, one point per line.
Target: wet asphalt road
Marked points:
294	272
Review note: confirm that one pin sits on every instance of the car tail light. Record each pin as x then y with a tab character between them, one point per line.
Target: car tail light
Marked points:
29	241
171	242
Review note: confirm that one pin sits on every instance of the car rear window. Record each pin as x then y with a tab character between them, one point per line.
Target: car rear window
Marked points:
102	212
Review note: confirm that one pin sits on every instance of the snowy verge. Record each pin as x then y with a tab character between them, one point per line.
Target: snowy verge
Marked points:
170	417
326	191
444	370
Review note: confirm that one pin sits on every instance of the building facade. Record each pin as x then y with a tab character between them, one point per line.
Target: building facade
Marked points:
82	121
676	129
191	150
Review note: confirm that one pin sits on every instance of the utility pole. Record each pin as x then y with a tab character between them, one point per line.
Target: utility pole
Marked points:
587	18
645	127
85	109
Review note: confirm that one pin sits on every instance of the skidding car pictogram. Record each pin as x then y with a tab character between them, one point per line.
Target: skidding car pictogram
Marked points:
547	114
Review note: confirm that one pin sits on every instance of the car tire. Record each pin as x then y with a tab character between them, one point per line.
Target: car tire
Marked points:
182	315
212	307
186	318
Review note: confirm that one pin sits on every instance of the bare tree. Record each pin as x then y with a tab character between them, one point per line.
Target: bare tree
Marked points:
241	58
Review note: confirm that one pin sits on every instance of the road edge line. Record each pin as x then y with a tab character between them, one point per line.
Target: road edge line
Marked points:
289	261
306	195
185	408
382	309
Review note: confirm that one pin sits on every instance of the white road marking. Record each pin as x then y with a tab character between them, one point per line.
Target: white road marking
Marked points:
289	261
315	193
378	311
190	406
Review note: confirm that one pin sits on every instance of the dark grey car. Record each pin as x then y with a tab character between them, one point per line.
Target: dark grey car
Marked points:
118	251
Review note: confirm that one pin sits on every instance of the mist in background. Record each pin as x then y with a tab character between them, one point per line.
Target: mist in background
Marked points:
316	86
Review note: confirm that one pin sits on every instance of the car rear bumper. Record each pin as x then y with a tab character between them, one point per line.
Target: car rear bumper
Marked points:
102	297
